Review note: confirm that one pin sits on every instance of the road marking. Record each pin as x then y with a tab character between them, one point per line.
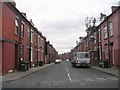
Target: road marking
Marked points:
67	70
101	79
53	81
112	78
88	79
66	67
83	84
69	77
75	81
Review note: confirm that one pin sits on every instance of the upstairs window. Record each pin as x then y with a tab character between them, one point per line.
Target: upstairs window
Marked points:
28	32
95	37
99	36
105	32
36	38
110	29
16	26
39	40
22	29
31	36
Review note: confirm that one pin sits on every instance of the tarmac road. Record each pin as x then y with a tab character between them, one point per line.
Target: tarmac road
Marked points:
63	75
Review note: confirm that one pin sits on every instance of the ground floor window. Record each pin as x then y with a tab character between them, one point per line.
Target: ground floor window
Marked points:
100	53
106	52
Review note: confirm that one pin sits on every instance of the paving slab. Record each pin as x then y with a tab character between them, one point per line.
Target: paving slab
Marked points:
111	71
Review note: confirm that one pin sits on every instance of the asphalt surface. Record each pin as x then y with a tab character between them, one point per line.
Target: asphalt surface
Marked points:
63	75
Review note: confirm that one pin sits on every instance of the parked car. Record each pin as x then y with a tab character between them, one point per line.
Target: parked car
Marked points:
67	60
81	59
57	61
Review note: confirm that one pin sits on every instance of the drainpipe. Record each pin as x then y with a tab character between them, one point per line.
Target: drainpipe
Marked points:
19	42
30	48
108	45
37	49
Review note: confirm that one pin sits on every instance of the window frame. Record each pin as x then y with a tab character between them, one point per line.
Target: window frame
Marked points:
105	32
106	52
28	32
31	36
110	29
22	30
99	35
16	25
35	38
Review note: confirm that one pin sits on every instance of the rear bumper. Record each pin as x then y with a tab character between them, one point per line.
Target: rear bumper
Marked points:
57	62
82	64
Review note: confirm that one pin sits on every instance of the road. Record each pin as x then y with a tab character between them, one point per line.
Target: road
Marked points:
63	75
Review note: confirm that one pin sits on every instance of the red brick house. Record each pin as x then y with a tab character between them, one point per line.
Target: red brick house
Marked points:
14	38
110	37
51	54
20	41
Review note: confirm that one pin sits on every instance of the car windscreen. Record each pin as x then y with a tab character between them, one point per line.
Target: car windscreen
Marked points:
83	55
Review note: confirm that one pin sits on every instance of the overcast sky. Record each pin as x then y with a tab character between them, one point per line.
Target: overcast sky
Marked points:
63	21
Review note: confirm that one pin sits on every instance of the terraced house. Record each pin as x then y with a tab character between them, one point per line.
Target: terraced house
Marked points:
103	41
21	42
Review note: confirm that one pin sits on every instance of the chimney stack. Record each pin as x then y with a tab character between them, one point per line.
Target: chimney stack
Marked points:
12	2
31	22
24	14
114	8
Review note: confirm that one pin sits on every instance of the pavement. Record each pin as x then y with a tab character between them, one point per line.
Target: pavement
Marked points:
18	74
111	71
21	74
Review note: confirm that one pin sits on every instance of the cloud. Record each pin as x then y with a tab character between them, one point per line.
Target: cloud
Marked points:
63	21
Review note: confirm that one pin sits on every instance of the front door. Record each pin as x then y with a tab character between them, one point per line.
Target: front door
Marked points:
16	56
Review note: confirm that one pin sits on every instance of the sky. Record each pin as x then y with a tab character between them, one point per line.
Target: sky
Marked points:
62	22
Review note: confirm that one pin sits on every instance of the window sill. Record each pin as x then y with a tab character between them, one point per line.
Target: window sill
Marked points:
22	37
111	36
105	38
16	34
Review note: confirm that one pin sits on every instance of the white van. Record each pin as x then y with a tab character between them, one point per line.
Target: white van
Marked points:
81	59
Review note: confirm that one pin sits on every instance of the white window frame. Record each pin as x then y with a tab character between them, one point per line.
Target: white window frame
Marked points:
105	32
16	25
39	40
22	29
35	38
106	52
99	35
95	37
28	32
100	53
110	29
31	36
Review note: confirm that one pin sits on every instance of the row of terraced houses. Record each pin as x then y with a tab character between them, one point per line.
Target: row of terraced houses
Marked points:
21	42
102	41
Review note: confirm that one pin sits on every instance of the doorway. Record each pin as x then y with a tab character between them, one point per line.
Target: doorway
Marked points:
16	57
